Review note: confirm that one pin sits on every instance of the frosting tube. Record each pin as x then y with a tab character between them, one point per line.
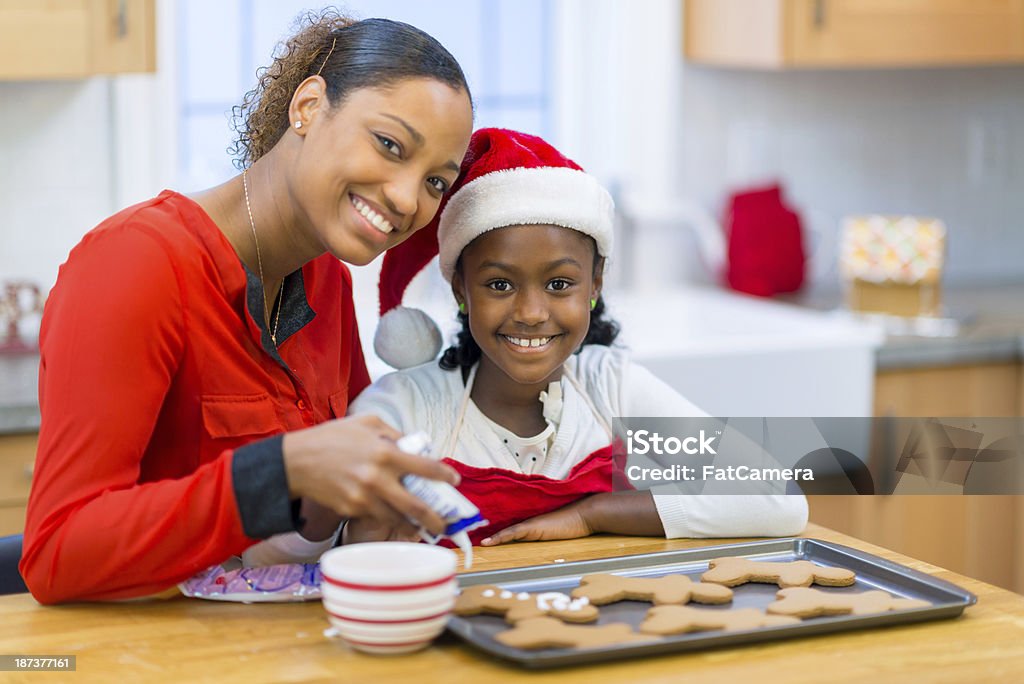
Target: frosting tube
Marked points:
458	512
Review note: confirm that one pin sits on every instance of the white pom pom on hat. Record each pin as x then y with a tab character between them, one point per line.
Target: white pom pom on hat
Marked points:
507	178
406	337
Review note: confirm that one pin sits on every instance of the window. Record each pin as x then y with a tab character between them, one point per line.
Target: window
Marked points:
222	44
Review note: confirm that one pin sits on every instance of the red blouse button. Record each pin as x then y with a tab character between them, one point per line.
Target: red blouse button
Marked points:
301	404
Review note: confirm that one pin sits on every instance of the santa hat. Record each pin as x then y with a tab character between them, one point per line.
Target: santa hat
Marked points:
507	178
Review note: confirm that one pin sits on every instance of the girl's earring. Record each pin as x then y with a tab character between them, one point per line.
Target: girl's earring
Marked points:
593	304
298	124
462	307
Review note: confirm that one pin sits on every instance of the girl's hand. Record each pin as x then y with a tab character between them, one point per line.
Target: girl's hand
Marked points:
359	530
353	467
568	522
321	521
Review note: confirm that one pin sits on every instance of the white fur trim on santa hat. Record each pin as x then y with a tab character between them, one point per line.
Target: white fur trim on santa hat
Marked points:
557	196
406	337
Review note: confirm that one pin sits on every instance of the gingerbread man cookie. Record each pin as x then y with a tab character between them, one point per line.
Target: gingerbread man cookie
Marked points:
734	571
804	602
682	619
549	632
604	588
488	599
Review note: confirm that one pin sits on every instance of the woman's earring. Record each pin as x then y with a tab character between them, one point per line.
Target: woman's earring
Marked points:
298	124
462	307
593	304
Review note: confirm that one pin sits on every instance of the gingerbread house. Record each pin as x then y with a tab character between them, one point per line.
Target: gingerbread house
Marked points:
893	264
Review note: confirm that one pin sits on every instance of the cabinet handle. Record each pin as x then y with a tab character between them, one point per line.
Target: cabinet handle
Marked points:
122	18
29	471
819	14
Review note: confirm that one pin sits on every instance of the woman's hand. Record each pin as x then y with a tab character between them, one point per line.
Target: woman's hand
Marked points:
568	522
352	466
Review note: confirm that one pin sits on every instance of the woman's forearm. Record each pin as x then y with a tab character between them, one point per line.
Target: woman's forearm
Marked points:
632	513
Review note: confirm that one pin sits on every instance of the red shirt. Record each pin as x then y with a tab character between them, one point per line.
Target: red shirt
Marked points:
153	374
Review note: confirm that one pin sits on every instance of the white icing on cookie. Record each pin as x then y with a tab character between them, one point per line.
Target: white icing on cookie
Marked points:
549	600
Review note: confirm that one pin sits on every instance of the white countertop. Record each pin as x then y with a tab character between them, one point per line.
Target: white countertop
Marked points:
710	321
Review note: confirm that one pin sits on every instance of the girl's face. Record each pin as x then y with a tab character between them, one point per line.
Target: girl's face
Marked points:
527	291
372	170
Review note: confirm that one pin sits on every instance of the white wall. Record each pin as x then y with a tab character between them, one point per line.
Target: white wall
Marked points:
939	142
56	172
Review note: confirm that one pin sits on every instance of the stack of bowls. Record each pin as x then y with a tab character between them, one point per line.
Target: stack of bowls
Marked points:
388	597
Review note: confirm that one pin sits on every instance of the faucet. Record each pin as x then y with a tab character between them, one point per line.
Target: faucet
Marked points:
687	212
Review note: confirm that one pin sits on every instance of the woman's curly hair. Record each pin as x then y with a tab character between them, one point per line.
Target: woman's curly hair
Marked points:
466	352
349	55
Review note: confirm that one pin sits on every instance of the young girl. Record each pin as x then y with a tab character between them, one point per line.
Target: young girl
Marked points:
521	405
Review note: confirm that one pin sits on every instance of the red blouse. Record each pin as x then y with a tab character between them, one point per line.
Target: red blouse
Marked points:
154	372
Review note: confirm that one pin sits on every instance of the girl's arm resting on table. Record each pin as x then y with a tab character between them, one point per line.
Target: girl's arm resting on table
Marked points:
730	515
672	515
707	515
628	513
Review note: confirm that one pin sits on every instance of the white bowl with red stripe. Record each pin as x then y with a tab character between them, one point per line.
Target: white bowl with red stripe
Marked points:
388	597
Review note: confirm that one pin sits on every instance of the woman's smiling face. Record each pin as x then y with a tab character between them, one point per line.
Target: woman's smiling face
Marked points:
373	169
527	291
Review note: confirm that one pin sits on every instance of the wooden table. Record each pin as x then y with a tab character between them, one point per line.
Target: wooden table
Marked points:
190	640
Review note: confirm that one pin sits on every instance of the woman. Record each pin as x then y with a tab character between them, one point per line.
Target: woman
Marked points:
191	344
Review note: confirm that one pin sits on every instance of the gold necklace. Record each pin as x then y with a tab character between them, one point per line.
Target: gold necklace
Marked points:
259	263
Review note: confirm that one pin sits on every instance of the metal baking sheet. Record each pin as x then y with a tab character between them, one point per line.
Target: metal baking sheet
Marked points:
946	600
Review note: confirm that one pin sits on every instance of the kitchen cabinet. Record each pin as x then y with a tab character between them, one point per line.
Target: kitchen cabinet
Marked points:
17	458
853	33
979	536
64	39
973	390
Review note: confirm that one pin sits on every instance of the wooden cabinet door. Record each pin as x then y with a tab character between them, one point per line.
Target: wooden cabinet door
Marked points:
124	36
976	535
44	39
62	39
853	33
982	390
734	32
903	32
